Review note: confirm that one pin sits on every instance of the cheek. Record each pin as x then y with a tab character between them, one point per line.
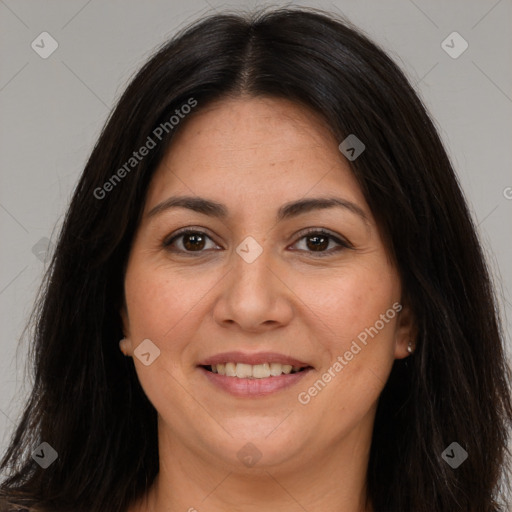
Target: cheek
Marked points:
348	304
356	322
161	308
159	300
360	310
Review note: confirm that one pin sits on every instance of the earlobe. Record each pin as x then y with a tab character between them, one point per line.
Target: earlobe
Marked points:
406	333
124	346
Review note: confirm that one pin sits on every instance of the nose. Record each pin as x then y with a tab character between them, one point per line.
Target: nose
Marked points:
254	297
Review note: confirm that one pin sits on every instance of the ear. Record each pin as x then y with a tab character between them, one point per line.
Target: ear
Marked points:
123	313
125	345
406	332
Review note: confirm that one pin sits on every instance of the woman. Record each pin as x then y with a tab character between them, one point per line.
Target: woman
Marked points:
271	232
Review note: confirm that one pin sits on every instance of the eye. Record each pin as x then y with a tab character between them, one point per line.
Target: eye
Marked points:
192	240
318	240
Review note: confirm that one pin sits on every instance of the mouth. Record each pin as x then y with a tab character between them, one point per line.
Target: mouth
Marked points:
253	375
257	371
256	359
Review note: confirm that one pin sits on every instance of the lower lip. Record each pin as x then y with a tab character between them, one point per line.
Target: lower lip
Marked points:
253	387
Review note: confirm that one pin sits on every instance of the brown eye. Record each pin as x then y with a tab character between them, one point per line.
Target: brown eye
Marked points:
193	241
317	241
188	241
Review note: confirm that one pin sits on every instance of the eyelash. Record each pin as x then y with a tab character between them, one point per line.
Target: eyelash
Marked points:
342	243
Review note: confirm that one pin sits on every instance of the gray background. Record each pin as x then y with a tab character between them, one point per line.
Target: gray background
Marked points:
52	110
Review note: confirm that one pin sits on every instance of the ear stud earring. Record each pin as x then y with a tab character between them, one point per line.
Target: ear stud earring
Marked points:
409	347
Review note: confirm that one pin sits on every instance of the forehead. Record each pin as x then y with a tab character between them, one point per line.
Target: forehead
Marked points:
262	149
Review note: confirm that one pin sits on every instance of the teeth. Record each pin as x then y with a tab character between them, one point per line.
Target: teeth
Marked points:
243	370
257	371
277	369
230	369
261	371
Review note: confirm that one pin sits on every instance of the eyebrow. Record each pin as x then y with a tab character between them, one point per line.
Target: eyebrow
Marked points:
286	211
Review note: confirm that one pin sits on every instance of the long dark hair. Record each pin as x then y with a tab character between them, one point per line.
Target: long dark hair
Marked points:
87	402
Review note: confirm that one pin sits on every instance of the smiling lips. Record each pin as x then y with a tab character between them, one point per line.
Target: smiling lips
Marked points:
250	375
253	366
258	371
253	359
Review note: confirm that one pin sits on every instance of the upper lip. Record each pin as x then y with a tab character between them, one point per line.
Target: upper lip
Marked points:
252	359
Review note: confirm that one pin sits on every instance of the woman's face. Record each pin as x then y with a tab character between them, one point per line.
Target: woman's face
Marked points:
252	280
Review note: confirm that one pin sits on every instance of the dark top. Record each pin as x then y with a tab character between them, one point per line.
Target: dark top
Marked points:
6	506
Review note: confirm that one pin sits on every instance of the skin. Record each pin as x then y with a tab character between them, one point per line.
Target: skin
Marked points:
253	155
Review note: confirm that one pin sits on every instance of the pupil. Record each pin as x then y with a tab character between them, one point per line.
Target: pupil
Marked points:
320	242
197	238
